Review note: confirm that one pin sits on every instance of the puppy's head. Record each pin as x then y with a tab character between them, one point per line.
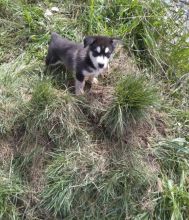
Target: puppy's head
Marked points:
100	49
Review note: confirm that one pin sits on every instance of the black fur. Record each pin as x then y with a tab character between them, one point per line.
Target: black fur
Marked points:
75	57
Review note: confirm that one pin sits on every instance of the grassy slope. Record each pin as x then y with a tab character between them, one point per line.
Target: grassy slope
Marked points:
119	152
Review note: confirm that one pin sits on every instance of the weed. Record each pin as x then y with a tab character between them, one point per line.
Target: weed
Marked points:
173	202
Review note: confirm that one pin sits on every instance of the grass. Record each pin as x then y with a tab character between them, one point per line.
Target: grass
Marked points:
132	100
15	89
11	193
118	152
96	183
172	202
176	153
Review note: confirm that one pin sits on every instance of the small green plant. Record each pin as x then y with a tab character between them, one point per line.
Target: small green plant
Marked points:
33	17
133	98
173	201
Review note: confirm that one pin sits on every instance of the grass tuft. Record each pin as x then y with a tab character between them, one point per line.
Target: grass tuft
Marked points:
42	96
133	99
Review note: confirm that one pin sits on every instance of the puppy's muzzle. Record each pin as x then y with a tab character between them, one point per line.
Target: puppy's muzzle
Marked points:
101	65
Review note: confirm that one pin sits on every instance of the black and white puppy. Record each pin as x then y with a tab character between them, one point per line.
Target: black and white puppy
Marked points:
86	60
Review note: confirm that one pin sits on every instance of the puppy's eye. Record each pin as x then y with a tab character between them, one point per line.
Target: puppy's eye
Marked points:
95	53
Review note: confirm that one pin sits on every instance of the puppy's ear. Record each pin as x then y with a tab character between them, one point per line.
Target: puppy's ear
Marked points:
115	41
88	40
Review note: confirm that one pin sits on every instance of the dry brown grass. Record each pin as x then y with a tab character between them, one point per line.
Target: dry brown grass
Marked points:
6	152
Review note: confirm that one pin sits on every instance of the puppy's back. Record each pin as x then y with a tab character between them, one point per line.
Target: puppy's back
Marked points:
64	50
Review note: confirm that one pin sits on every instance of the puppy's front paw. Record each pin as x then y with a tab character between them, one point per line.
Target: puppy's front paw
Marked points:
79	87
79	92
94	81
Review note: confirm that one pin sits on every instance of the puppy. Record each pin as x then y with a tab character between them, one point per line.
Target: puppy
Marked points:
86	60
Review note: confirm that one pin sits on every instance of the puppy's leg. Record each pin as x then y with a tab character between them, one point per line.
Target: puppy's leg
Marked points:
51	58
79	84
79	87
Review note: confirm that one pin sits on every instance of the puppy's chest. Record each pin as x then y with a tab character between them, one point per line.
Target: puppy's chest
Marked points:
92	72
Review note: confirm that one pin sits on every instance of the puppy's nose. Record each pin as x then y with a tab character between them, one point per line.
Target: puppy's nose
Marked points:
101	65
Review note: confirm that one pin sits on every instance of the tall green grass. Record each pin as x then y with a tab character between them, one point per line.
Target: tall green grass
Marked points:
11	196
172	201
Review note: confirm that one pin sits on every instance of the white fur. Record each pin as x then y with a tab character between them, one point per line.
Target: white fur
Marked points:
79	87
94	73
94	80
102	60
98	49
99	60
106	50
